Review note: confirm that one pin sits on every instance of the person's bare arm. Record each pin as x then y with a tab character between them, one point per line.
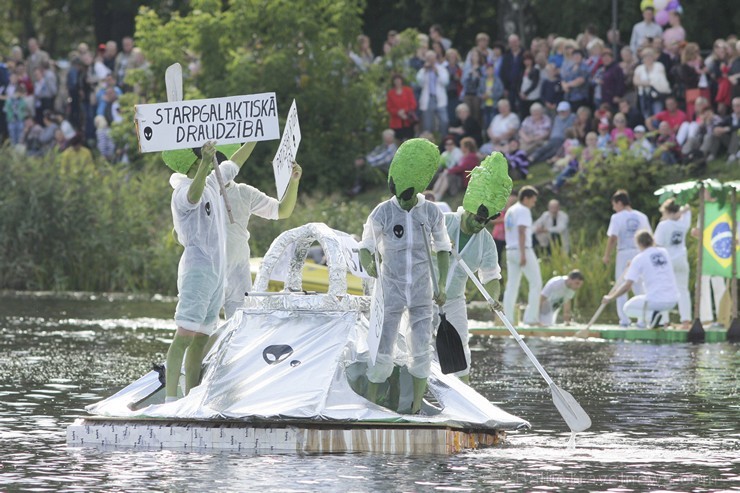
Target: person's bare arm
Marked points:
624	288
566	313
610	245
195	191
522	238
285	209
242	154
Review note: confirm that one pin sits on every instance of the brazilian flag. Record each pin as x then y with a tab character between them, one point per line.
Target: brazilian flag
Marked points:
718	243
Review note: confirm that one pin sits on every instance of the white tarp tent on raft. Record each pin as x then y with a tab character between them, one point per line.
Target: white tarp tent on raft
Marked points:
296	356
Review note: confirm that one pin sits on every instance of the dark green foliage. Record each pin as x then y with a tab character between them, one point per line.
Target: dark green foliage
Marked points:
587	198
103	231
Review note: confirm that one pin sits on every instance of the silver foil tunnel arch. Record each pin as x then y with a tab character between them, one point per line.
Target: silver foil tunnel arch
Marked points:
303	237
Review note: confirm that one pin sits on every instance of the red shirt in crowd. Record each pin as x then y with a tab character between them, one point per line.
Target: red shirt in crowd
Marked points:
674	119
466	164
404	101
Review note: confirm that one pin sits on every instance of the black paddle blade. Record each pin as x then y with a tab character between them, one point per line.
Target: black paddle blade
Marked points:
449	347
696	333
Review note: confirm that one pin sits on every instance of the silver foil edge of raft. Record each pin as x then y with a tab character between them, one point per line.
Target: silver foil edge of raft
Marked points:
302	238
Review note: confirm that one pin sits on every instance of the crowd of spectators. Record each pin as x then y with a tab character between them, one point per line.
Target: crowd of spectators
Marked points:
569	102
50	106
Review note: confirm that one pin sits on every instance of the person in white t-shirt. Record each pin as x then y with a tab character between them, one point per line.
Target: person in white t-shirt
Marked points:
245	201
671	235
520	257
624	223
504	125
653	266
557	293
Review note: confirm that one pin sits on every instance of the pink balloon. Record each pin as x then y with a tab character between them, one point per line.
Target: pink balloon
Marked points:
662	17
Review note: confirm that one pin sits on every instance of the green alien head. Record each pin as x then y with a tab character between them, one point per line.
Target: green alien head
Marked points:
489	187
181	160
412	168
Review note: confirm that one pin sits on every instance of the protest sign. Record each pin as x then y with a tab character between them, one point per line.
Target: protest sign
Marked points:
283	162
351	252
188	124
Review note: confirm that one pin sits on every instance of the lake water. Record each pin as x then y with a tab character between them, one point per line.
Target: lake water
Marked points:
665	417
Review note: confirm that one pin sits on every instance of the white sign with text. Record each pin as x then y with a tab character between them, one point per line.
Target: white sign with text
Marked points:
286	153
187	124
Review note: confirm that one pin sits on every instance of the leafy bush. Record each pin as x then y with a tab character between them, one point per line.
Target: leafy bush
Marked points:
587	197
296	49
103	229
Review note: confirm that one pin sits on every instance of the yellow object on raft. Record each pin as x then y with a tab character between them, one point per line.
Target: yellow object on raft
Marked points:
315	278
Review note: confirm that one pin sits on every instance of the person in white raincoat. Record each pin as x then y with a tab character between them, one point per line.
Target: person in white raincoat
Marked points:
485	198
245	201
394	230
199	216
671	234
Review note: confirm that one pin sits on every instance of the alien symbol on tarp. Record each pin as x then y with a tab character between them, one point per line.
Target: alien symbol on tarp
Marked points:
276	353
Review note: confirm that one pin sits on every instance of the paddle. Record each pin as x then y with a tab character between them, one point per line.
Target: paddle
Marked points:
377	307
450	349
173	85
572	412
584	332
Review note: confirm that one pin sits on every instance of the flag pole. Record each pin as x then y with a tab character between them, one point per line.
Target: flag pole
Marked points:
696	333
733	332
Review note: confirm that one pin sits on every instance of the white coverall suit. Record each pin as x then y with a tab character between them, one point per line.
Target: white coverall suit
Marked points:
405	278
201	229
480	254
245	201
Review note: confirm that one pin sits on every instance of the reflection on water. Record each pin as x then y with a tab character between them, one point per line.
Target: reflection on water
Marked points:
665	417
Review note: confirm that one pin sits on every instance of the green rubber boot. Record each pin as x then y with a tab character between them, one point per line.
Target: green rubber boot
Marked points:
372	392
420	386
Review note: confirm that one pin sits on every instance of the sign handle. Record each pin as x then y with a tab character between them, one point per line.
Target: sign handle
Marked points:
222	186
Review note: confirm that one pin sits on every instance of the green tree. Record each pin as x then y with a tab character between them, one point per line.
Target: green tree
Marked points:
61	24
296	49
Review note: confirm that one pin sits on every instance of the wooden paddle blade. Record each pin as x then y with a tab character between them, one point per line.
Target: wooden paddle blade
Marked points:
572	412
173	82
449	347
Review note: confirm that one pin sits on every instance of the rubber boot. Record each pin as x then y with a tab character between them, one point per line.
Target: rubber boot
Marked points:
420	386
394	391
372	392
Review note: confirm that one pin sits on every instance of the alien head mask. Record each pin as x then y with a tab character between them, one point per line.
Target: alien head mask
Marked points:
489	187
412	168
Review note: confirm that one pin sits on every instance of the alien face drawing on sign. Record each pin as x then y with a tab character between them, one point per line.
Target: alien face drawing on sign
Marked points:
148	133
